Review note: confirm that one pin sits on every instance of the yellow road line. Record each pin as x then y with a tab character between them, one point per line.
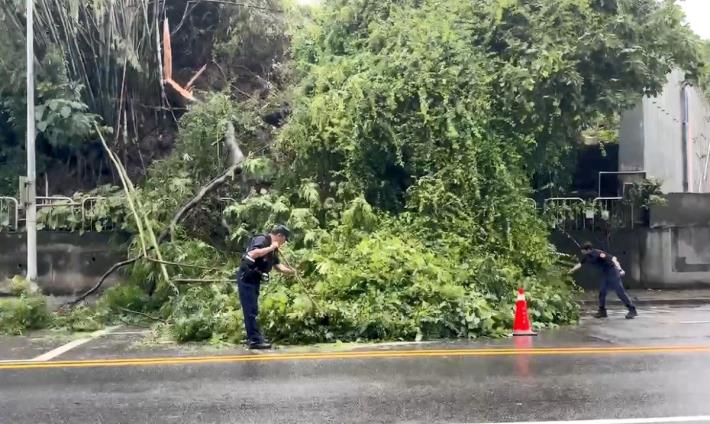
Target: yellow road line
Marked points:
379	354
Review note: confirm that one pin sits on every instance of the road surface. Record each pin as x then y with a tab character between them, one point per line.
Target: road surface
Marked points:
653	367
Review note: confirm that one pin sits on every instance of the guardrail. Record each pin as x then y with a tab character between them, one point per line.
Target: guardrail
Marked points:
615	211
61	213
89	216
49	201
9	213
567	210
574	213
57	211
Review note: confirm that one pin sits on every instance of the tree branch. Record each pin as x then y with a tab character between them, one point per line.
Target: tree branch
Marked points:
237	157
131	311
97	286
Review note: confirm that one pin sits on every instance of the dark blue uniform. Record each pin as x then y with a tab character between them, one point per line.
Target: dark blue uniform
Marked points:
249	278
612	277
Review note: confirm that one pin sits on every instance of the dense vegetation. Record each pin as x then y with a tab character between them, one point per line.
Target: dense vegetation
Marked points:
415	131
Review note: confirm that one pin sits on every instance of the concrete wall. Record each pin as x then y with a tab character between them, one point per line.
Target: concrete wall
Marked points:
67	263
676	258
682	210
631	156
699	139
652	138
663	146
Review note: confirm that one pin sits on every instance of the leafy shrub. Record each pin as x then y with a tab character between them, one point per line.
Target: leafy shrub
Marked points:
120	304
19	286
389	286
81	318
19	314
207	313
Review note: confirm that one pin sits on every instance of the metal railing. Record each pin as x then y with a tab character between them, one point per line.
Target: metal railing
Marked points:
9	213
569	212
89	215
614	211
49	201
57	211
574	213
60	212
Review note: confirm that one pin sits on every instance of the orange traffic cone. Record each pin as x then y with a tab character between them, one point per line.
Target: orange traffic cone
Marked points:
522	325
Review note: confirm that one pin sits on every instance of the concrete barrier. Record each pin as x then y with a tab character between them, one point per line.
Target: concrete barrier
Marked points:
67	263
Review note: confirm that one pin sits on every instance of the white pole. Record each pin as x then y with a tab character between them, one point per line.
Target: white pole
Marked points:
31	207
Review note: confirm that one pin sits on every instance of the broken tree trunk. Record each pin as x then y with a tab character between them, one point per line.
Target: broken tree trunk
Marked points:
236	156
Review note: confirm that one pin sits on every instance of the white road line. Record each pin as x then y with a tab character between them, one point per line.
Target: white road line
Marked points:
695	322
668	420
71	345
128	333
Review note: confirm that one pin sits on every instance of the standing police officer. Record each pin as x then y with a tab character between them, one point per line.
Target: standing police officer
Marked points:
611	268
261	256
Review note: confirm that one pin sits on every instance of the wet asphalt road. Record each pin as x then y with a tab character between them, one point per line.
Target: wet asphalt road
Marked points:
474	389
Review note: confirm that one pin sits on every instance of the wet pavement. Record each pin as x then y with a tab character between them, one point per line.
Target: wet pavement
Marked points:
652	297
621	369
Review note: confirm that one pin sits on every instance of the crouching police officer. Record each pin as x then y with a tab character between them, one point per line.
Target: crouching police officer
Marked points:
261	256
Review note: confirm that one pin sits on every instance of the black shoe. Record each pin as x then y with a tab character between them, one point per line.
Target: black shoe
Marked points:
601	314
260	346
632	314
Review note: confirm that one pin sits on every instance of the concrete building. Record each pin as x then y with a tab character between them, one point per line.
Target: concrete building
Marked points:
669	137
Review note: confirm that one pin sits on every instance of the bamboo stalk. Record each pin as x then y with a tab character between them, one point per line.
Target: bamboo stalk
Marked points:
135	205
126	190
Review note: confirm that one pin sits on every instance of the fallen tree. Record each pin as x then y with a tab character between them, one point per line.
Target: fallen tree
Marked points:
403	171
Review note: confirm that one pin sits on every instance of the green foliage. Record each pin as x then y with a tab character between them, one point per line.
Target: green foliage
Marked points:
26	312
388	285
101	209
126	296
392	89
258	213
250	42
125	303
646	193
208	313
374	278
603	130
80	318
63	121
19	286
704	74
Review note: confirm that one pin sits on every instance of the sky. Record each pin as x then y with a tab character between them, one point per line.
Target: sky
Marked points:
698	13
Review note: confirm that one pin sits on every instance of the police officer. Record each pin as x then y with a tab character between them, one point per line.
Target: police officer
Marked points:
261	256
612	271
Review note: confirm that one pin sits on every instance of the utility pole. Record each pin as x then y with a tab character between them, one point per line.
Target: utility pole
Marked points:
30	185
